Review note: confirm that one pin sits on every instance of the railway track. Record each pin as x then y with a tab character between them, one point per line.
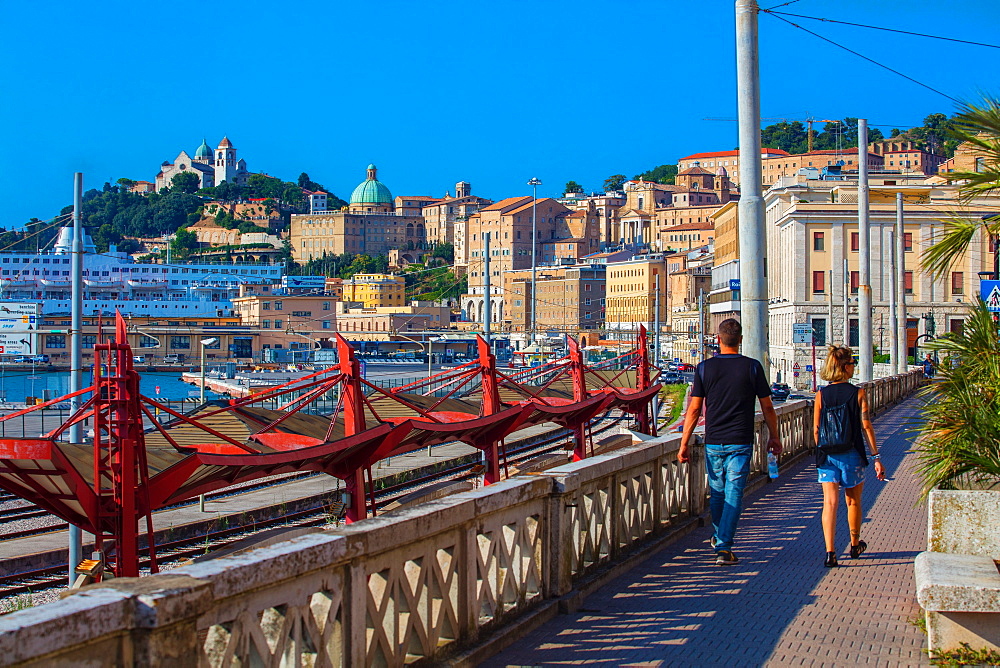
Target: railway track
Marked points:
171	552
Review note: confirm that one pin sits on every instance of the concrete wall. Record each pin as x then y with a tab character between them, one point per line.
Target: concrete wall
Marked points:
420	583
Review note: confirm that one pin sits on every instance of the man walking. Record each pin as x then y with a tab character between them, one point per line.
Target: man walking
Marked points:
727	385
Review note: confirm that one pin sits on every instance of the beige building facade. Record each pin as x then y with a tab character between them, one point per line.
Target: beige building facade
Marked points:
375	290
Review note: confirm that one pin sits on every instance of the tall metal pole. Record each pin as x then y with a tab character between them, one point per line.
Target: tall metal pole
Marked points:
865	343
893	309
847	302
656	321
486	287
76	351
701	325
829	323
753	246
900	354
534	183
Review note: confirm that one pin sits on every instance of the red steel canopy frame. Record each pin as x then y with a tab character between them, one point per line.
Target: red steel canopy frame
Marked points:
115	482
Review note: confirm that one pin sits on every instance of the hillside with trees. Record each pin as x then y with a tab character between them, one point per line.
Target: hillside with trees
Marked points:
935	134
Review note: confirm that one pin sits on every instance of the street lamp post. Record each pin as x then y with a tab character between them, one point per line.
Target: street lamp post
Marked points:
534	183
211	341
205	342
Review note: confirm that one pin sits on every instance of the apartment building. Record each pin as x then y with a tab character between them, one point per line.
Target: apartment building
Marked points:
730	160
634	289
440	216
690	280
563	236
812	230
568	298
373	290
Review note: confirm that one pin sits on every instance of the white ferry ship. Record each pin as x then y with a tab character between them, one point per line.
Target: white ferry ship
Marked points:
113	280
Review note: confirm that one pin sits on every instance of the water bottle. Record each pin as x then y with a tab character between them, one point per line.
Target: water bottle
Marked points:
772	465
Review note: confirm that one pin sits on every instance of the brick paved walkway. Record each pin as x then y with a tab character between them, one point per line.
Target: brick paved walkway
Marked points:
779	606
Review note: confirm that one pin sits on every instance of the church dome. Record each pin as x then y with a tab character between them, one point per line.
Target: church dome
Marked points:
203	151
371	191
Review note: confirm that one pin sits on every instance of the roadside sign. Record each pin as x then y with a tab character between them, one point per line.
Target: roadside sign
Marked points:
24	323
157	389
11	309
677	359
989	291
796	366
809	367
734	284
802	332
795	373
14	343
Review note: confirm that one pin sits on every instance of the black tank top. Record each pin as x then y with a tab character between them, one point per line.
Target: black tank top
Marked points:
847	393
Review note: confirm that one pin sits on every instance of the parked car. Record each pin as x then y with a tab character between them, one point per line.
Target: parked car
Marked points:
684	366
138	359
780	391
672	378
172	359
40	359
671	366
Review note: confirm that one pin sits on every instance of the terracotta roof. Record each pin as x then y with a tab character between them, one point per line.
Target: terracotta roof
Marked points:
527	206
426	198
689	226
225	143
577	214
695	170
732	154
504	203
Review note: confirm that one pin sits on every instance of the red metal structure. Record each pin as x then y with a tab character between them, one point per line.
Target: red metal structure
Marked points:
114	483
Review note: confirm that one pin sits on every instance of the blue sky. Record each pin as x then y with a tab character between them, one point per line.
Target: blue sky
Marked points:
437	92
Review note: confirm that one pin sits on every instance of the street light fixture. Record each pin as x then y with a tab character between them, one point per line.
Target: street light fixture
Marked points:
534	183
205	342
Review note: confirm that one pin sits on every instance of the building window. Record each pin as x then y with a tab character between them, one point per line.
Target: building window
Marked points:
957	282
326	324
855	282
265	324
326	306
956	326
144	342
908	282
818	241
278	306
88	341
855	242
819	282
213	346
180	342
853	333
265	306
819	331
278	323
908	242
55	341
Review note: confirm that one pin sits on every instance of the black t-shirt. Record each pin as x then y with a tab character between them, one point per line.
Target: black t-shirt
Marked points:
730	385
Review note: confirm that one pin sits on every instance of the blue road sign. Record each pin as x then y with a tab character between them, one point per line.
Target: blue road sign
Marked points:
989	292
734	284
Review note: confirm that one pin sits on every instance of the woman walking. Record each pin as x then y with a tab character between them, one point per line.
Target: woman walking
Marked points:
841	422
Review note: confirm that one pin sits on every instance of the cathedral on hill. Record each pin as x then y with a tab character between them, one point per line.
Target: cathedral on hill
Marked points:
212	167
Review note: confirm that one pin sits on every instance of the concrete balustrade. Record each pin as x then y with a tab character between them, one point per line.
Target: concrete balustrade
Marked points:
421	583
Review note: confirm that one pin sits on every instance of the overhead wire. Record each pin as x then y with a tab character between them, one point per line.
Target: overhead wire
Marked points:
862	25
862	56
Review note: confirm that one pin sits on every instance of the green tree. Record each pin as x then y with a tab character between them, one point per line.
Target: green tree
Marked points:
184	242
445	251
614	183
573	187
185	182
662	174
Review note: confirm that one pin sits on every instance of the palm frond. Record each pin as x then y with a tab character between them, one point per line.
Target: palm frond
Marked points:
958	235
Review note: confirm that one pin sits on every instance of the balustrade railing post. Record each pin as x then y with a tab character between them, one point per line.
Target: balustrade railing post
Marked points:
696	477
355	608
561	546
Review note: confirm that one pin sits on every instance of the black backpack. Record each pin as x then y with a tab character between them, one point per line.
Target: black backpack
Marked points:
837	428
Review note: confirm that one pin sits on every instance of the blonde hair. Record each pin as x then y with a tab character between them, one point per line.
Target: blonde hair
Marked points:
835	367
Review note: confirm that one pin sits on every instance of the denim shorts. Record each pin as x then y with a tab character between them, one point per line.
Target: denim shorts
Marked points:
844	468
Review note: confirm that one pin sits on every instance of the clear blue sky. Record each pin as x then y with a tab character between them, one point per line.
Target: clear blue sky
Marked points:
437	92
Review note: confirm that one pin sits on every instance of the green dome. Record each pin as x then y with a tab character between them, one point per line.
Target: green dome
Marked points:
203	151
371	191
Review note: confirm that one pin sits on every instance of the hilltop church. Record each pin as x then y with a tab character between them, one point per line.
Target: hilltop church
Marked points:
212	167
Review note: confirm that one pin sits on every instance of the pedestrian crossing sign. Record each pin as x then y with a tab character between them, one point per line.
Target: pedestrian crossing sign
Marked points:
990	293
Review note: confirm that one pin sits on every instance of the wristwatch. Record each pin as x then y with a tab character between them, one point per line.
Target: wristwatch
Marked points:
876	456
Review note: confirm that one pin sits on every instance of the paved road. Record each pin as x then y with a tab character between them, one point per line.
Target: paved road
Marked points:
779	606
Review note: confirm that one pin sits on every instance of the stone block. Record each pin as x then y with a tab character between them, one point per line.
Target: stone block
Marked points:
964	522
961	596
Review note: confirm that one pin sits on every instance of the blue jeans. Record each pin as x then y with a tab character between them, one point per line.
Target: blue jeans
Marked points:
728	469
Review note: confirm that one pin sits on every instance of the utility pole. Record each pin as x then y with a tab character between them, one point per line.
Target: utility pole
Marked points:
829	323
486	288
534	183
900	354
656	321
847	302
701	325
76	352
893	309
865	343
753	247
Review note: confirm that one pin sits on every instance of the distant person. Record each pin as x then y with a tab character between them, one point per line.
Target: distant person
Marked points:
928	364
840	417
728	386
